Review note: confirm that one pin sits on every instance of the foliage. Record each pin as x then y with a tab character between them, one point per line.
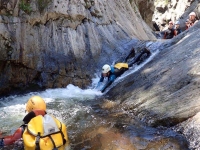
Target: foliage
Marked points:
25	6
42	4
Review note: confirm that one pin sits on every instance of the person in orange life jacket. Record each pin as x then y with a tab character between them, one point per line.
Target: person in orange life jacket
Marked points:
112	72
170	32
177	28
192	18
35	106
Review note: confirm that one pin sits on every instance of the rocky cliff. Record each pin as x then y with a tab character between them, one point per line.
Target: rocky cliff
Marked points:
50	43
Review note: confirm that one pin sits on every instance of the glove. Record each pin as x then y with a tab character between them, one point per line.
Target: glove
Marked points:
1	143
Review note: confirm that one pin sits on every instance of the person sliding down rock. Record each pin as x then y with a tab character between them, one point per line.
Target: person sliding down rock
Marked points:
170	32
112	72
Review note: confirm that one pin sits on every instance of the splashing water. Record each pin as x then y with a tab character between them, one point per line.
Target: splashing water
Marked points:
12	108
74	107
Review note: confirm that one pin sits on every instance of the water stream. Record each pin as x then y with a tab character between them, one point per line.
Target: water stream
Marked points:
91	125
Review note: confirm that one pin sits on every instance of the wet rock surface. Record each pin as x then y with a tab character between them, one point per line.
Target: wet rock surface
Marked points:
126	132
190	129
165	92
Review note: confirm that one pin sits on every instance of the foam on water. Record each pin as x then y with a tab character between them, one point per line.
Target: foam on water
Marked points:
12	108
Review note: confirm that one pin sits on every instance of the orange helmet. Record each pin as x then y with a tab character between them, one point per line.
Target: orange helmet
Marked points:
35	102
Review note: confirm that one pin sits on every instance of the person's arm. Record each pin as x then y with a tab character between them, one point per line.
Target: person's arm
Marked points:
175	32
100	81
9	140
106	85
102	78
110	81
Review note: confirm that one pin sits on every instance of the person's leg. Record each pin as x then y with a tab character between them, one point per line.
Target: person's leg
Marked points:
131	54
138	56
147	51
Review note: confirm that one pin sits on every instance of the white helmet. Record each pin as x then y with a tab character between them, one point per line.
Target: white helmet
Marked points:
177	22
106	68
192	14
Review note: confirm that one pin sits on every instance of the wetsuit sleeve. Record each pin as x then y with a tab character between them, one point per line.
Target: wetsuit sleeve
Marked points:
101	79
110	81
9	140
106	85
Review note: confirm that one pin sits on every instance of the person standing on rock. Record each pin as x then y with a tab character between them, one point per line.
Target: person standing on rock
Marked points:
170	32
177	28
192	18
112	72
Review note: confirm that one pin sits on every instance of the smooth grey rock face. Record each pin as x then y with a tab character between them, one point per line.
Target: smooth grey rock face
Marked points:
166	90
52	43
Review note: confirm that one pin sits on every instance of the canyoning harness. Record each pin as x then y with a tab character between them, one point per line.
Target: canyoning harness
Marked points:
44	133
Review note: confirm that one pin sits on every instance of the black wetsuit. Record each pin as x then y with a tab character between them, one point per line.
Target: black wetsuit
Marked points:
178	31
169	33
